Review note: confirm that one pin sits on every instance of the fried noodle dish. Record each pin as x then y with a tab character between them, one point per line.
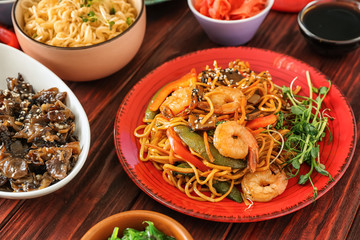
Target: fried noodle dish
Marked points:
232	133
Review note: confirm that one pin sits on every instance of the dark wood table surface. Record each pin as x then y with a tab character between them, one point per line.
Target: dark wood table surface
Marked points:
103	188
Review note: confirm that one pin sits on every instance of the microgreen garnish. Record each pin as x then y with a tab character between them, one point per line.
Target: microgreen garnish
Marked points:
307	128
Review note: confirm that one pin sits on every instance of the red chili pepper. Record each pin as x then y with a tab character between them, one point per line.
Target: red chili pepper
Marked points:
8	37
180	149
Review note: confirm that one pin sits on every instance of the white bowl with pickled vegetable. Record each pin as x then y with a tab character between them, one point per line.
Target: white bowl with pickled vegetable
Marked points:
13	62
84	46
136	219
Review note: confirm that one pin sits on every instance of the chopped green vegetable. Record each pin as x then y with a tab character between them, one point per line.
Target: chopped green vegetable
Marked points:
114	234
223	187
84	19
112	11
91	14
150	233
128	21
307	128
89	17
87	3
111	23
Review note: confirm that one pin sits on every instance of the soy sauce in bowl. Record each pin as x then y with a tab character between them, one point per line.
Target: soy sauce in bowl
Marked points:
332	27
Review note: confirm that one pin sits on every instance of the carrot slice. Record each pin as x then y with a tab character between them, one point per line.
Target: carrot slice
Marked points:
182	82
261	122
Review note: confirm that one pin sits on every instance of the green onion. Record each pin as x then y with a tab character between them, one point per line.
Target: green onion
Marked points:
112	11
111	23
84	19
128	21
91	14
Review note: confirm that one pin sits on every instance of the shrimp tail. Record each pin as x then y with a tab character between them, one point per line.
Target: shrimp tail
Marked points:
253	158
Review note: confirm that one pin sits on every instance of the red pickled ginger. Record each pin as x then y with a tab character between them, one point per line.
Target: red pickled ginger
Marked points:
229	9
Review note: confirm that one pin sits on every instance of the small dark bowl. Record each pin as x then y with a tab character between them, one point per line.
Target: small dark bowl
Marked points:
323	45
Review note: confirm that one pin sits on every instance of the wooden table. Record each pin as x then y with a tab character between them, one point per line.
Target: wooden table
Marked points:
103	188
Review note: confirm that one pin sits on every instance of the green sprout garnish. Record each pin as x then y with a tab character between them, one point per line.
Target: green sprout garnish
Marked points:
308	129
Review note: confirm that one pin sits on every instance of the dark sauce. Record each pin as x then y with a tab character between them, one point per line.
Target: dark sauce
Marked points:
333	21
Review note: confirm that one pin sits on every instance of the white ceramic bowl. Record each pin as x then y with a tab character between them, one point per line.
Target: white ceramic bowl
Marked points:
5	11
89	62
12	62
231	32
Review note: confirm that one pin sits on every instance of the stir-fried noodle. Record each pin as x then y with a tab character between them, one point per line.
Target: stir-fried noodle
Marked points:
226	120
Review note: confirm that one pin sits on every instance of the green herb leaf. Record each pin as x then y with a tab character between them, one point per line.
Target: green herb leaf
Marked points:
303	179
323	90
280	121
297	110
314	152
295	163
285	90
315	90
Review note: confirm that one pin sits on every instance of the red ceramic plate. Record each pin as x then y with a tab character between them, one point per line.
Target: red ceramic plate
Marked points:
336	155
289	6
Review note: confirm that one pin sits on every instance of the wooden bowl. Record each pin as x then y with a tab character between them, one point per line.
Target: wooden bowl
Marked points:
134	219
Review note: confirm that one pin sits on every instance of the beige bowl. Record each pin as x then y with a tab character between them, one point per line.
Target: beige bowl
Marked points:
89	62
134	219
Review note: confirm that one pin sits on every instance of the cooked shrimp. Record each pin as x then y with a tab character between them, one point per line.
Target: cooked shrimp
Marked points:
175	104
236	141
263	186
225	99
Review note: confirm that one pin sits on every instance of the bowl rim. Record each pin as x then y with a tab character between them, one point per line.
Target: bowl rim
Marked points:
312	35
17	26
198	14
86	139
6	1
141	214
